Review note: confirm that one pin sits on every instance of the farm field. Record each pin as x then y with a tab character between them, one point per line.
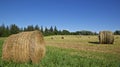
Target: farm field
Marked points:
74	51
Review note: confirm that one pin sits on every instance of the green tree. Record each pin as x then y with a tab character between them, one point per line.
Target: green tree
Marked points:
84	32
2	30
65	32
14	29
117	32
21	29
95	33
30	28
56	31
51	31
41	29
25	29
37	27
46	32
6	32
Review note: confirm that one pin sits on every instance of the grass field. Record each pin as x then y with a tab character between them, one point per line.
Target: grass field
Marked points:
74	51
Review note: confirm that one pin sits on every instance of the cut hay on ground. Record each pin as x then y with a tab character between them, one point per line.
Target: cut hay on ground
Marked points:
24	47
106	37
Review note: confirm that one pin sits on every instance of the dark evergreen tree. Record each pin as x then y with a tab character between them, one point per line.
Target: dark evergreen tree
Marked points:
95	33
30	28
46	32
2	30
117	32
46	29
6	32
56	31
51	31
14	29
37	27
41	29
25	29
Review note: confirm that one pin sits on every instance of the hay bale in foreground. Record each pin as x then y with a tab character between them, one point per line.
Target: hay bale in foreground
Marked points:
24	47
106	37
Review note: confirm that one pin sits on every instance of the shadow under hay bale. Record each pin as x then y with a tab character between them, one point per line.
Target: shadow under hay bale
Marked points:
106	37
94	42
24	47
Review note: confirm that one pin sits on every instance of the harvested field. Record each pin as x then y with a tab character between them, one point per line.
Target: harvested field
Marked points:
84	43
74	51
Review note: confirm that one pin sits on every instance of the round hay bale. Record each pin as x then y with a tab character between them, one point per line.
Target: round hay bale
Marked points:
24	47
52	38
62	37
106	37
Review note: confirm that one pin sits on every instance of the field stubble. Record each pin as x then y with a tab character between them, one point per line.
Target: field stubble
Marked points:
85	43
74	51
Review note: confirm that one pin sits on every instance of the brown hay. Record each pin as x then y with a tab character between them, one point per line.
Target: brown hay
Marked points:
62	37
106	37
24	47
116	37
52	38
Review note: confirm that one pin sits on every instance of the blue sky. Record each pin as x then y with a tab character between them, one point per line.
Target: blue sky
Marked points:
73	15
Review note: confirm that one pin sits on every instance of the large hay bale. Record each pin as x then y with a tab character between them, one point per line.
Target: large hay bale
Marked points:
24	47
106	37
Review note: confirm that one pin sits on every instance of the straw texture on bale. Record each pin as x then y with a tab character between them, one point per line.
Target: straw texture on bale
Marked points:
106	37
24	47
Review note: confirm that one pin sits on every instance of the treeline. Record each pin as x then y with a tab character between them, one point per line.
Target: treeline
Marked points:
14	29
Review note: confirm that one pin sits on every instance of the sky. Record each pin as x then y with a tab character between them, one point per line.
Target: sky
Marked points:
72	15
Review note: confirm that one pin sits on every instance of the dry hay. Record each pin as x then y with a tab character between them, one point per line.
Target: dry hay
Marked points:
52	38
24	47
106	37
62	37
116	37
80	36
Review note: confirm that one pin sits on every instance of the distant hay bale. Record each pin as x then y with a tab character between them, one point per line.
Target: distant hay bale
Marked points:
24	47
62	37
106	37
52	38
